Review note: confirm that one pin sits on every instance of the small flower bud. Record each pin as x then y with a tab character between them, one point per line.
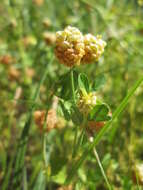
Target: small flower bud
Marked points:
86	102
49	38
38	2
69	46
51	120
47	22
13	73
6	59
39	117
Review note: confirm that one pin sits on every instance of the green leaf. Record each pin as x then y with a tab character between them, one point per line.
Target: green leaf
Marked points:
40	183
25	184
57	163
100	113
60	177
76	116
83	82
82	175
65	110
99	82
65	90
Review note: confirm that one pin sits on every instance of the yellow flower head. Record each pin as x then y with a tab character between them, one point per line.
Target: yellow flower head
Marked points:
87	102
69	46
94	47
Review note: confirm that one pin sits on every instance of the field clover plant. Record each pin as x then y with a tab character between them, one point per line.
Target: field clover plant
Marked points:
75	90
77	95
71	99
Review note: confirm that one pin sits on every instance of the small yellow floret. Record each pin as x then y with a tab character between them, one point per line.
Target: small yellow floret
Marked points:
87	102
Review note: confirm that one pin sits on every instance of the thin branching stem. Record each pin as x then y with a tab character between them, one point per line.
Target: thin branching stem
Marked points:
72	86
74	101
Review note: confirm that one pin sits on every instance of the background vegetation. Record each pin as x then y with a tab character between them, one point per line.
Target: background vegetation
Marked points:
25	54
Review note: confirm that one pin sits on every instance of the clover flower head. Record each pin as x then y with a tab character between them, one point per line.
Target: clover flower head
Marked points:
13	73
49	38
6	59
51	119
46	22
94	48
87	102
69	46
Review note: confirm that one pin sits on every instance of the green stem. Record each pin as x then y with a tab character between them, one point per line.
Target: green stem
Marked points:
80	138
72	86
101	168
44	140
74	101
137	178
74	143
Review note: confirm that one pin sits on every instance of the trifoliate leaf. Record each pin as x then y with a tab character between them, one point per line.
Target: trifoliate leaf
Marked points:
65	110
76	116
99	82
65	90
100	113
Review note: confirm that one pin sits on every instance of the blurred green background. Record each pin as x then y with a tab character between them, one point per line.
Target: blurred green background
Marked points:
25	49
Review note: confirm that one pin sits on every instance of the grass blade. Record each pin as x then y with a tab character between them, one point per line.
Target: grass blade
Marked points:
101	168
25	184
40	183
